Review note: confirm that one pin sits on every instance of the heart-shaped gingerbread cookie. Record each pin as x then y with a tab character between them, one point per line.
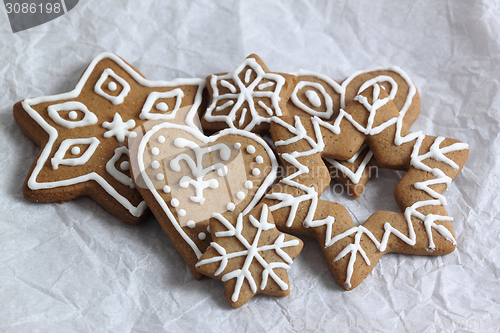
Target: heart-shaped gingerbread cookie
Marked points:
185	177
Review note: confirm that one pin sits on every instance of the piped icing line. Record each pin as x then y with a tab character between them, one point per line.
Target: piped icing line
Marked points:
90	119
196	133
355	177
251	253
317	146
245	91
341	90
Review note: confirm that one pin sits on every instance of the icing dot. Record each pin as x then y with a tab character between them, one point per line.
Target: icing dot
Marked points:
124	166
230	206
250	149
255	172
313	98
162	107
160	176
155	151
161	139
237	145
155	164
181	212
191	224
259	159
202	236
240	195
132	135
75	150
222	171
112	86
166	189
73	115
248	184
174	202
208	229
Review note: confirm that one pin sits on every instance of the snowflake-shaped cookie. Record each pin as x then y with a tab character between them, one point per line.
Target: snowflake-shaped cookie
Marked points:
83	133
249	255
248	97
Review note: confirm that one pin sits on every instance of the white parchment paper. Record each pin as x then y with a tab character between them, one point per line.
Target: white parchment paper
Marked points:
75	268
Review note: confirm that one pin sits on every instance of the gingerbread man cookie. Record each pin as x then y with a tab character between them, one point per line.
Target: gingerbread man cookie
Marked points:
83	134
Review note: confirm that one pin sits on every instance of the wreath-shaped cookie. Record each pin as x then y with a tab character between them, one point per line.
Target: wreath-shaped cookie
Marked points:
351	251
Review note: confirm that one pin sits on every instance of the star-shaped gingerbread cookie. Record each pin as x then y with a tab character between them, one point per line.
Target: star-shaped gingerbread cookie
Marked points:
248	97
83	133
249	255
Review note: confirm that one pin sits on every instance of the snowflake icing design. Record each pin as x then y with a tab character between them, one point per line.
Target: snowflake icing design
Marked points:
254	85
253	252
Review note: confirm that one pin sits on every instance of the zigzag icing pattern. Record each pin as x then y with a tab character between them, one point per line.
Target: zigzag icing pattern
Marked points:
310	194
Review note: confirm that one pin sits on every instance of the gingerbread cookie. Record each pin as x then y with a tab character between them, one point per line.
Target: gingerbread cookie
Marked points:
186	177
83	134
372	118
249	255
317	95
248	97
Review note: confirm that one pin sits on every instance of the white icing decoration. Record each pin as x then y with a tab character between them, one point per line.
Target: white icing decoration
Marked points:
255	172
161	139
155	165
259	159
222	172
116	174
208	229
176	93
237	145
245	92
250	149
248	184
162	106
328	100
251	253
89	117
59	159
266	183
240	195
230	206
181	212
75	150
196	166
174	202
160	176
119	128
112	86
27	104
72	115
287	200
355	177
116	100
313	98
191	224
124	166
202	236
166	189
155	151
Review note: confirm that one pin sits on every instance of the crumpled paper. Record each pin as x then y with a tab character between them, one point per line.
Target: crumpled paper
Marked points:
74	267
